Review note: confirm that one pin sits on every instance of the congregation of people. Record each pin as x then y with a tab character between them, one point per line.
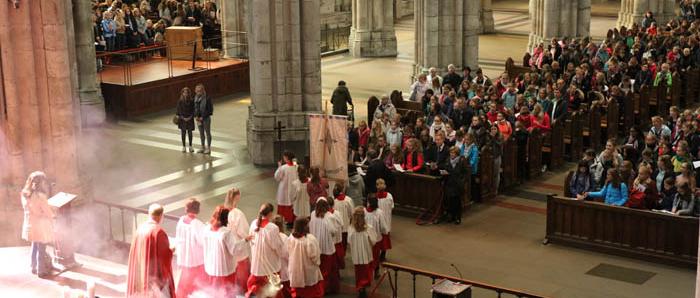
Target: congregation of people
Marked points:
129	24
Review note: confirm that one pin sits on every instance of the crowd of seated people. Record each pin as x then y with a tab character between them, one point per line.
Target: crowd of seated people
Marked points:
651	168
127	24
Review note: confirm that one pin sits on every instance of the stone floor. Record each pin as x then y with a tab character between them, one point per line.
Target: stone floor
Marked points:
139	162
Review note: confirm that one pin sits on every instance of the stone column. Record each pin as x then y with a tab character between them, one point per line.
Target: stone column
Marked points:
372	33
285	75
234	28
446	33
92	105
40	118
558	18
487	23
632	11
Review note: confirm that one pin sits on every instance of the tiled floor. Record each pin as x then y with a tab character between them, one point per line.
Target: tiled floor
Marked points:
136	163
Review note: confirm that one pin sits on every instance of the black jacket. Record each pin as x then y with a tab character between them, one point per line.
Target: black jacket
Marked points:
208	108
375	170
456	178
437	156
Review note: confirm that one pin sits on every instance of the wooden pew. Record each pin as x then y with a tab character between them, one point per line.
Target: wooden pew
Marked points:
643	107
556	145
573	135
567	182
509	164
514	70
594	127
486	174
419	194
612	117
691	81
628	113
641	234
676	90
534	153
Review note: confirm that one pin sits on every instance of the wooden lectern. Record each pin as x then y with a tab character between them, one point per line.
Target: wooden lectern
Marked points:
64	257
448	289
180	41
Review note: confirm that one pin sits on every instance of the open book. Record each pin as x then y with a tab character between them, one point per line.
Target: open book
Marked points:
399	168
61	199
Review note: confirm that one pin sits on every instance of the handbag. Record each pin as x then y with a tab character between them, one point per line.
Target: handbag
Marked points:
176	120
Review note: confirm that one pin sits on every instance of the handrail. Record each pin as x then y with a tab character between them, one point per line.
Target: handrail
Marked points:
123	222
434	276
133	209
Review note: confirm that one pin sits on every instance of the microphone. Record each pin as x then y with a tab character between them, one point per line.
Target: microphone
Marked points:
457	269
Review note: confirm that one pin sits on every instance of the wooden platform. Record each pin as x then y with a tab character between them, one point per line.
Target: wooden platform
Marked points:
147	87
16	279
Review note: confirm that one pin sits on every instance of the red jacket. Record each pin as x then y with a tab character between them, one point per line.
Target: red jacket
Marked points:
410	164
544	126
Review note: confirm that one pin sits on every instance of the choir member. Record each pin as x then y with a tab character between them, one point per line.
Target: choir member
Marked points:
344	206
285	175
150	259
323	226
190	254
267	251
361	239
221	248
385	203
238	224
37	226
305	276
317	187
284	272
376	220
300	203
338	237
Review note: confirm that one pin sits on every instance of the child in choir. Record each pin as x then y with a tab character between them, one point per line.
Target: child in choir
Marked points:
267	251
238	224
337	238
385	202
221	247
300	203
344	206
284	273
305	276
190	254
361	239
286	175
324	227
376	220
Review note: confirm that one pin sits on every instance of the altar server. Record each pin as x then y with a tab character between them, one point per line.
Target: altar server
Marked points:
267	251
385	202
300	203
190	253
324	227
238	224
375	219
344	206
221	248
305	276
285	175
361	239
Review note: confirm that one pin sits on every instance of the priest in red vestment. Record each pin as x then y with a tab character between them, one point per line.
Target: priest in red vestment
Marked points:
150	260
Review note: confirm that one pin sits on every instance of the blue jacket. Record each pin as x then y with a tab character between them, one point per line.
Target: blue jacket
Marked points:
472	154
105	28
613	196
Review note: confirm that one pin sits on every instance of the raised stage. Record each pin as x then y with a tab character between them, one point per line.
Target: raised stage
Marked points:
132	89
17	281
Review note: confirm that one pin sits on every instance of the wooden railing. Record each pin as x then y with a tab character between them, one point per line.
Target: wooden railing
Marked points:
435	276
127	218
643	234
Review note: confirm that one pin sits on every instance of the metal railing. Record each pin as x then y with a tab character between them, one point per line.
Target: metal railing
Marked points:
396	268
128	219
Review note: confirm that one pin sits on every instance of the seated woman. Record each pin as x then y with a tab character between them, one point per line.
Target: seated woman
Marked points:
643	194
684	202
614	193
540	120
395	157
582	180
667	195
686	175
413	160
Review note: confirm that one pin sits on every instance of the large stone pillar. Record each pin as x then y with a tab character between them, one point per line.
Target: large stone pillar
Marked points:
92	105
372	33
558	18
446	33
632	11
487	23
234	28
285	75
403	8
39	114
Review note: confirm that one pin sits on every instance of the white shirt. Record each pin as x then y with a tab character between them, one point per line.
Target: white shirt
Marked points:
190	252
238	224
360	245
387	206
220	250
324	229
284	271
301	203
267	250
376	220
304	259
344	210
285	176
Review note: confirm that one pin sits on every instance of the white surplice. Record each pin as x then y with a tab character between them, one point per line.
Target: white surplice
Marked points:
325	230
220	250
300	204
188	248
267	249
344	208
360	244
238	224
304	261
285	176
387	207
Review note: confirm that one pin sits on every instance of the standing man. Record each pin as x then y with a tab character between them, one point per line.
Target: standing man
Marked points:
203	110
150	259
340	99
452	77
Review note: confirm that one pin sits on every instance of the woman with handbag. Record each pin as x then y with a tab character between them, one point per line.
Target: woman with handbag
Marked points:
184	117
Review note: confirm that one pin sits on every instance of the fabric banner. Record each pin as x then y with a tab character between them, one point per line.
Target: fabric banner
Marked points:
329	145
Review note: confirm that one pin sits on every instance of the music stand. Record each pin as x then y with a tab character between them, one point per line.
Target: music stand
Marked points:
64	257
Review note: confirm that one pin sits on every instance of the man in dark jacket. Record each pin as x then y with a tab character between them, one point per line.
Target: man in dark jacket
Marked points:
452	78
438	154
340	99
456	171
375	170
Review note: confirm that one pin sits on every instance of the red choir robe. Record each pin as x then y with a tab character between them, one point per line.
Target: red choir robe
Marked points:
150	263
